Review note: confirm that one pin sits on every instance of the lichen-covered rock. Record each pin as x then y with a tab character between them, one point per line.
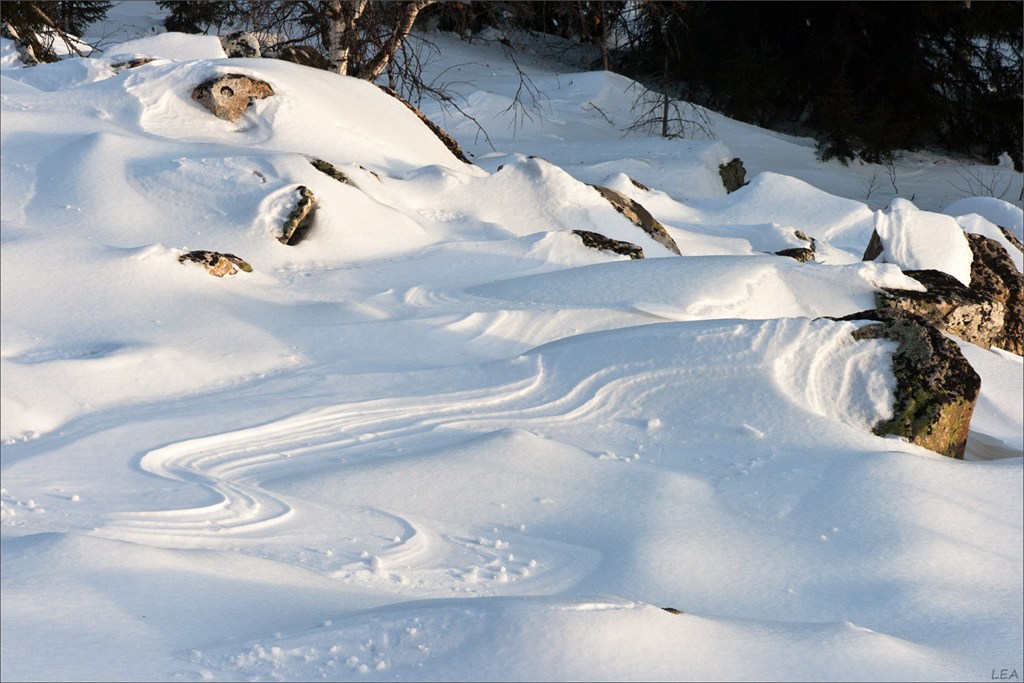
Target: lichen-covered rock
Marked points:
1011	238
734	176
936	388
639	185
330	169
300	219
801	254
596	240
240	44
441	134
131	63
947	305
995	277
227	97
874	248
216	263
639	216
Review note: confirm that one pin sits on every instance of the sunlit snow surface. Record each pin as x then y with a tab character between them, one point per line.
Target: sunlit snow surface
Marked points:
441	440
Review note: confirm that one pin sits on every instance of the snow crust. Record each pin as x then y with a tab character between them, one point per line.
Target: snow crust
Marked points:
442	440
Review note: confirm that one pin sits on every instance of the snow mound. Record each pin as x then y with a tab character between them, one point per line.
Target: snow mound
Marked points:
922	240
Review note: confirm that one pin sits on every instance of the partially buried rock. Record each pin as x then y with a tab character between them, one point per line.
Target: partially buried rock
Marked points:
300	219
240	44
596	240
327	168
303	55
442	135
948	305
734	176
639	216
216	263
936	388
801	254
227	97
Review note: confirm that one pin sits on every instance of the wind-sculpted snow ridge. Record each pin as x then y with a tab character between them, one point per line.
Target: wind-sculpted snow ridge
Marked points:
558	399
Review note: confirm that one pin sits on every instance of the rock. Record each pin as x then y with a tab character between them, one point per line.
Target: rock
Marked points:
216	263
640	216
441	134
240	44
734	176
936	388
673	610
947	305
331	170
596	240
227	97
1011	238
801	254
874	248
303	55
300	219
995	277
131	63
640	185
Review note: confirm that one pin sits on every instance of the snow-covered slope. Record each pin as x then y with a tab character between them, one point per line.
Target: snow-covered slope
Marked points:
440	438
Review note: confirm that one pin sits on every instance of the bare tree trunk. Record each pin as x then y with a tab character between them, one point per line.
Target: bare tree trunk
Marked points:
403	25
342	29
604	35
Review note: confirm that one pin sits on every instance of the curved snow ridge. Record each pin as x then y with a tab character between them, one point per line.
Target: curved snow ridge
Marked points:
830	373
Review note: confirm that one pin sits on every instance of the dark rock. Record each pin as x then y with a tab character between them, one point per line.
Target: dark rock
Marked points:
300	219
227	97
303	55
596	240
639	185
441	134
216	263
673	610
801	254
948	305
874	248
331	170
936	388
640	216
240	44
995	277
734	176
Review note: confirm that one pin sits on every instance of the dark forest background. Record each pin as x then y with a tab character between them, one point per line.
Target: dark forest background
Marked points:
865	79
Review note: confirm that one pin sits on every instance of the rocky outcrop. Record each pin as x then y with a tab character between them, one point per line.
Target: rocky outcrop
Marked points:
240	44
639	216
303	55
947	305
330	169
227	97
216	263
801	254
995	277
441	134
300	219
1011	238
734	176
596	240
936	388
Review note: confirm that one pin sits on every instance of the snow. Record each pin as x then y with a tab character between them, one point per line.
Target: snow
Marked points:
922	240
440	439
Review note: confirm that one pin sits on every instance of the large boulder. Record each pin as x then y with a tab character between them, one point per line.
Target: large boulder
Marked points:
596	240
227	97
949	306
639	216
936	388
